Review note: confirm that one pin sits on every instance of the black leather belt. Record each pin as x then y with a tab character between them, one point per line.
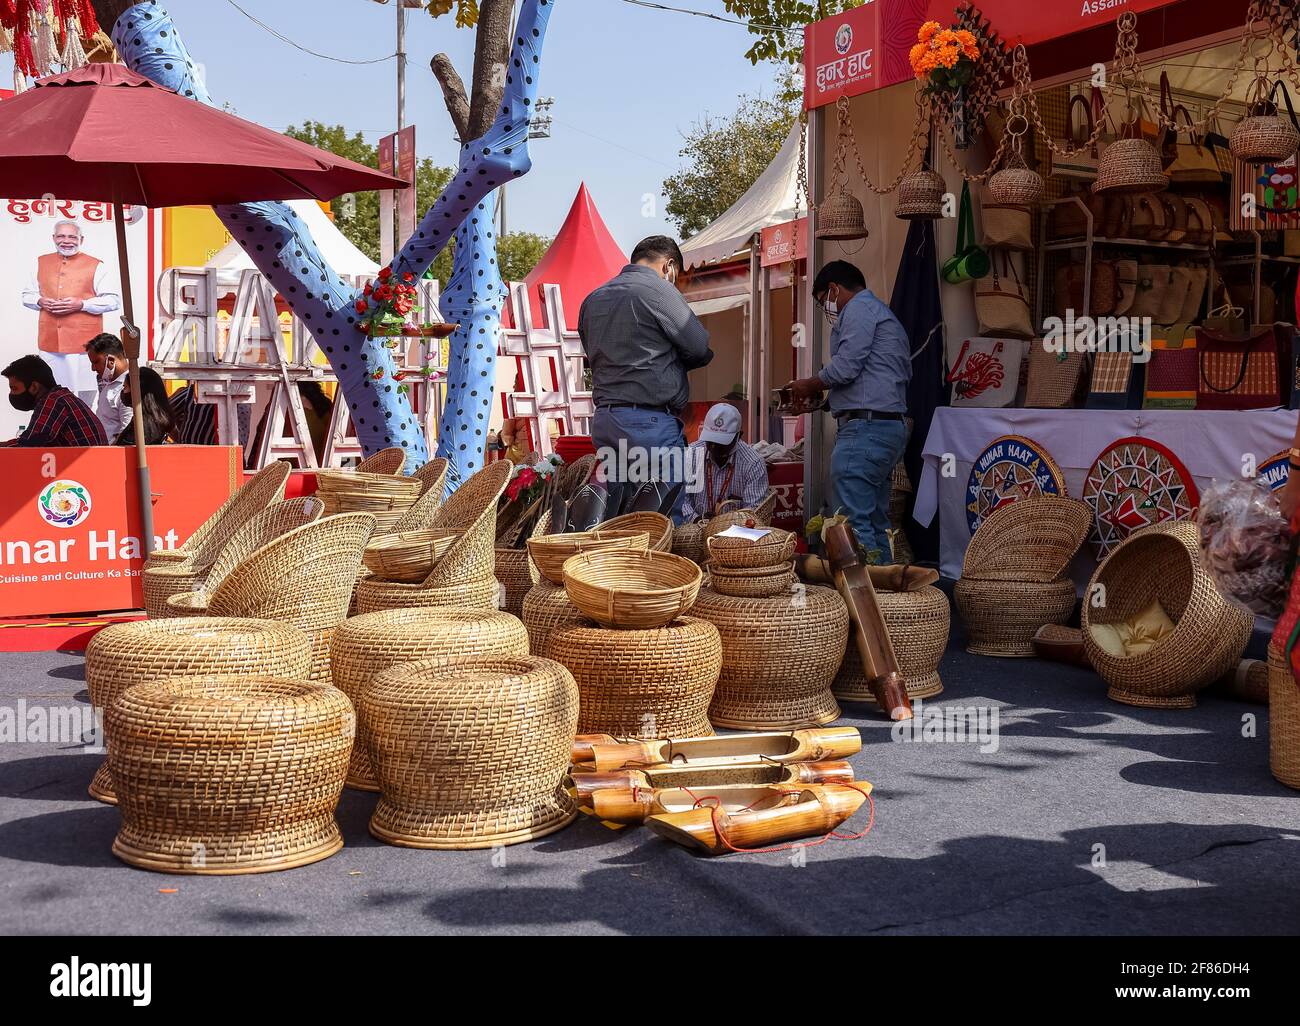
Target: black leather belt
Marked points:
634	406
866	415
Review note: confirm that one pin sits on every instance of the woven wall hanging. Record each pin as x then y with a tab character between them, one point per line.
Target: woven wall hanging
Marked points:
1135	482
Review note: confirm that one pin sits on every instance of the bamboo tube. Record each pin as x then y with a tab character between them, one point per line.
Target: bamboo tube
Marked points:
879	663
812	745
638	804
895	577
753	774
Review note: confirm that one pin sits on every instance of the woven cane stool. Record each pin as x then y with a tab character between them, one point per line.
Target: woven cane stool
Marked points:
1002	617
546	609
365	645
1283	720
642	683
375	595
918	623
470	753
779	656
127	654
229	774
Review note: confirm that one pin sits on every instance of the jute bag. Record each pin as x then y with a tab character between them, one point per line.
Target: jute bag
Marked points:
1194	162
1006	226
1198	278
1152	285
969	262
1053	378
1082	165
986	372
1001	305
1126	275
1171	303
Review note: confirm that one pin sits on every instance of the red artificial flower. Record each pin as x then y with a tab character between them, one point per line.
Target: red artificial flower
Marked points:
369	289
378	374
361	306
408	276
513	489
385	274
528	476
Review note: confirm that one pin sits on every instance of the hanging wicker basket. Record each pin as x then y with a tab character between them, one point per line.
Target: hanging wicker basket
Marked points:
1263	139
1130	165
920	196
840	218
1016	186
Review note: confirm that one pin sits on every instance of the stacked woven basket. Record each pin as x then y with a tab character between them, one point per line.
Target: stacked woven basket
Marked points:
385	496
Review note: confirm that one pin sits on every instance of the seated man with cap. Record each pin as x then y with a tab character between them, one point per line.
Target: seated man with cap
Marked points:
721	467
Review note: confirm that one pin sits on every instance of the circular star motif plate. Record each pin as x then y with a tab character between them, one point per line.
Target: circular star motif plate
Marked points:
1276	470
1013	467
1135	482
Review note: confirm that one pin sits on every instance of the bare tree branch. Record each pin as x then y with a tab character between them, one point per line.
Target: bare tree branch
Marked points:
453	94
491	64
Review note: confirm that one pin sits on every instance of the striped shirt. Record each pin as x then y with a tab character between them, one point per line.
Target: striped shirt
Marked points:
748	480
61	419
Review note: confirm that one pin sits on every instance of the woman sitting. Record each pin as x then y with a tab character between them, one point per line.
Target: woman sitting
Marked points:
155	410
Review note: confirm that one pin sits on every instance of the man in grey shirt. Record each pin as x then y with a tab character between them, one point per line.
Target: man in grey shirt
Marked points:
871	364
641	339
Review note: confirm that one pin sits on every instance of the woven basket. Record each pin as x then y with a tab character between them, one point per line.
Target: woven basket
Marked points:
1017	186
424	510
918	623
228	774
547	609
688	542
731	512
365	645
390	461
470	753
779	656
754	582
624	588
920	196
374	595
1283	720
362	490
126	654
658	526
514	574
1130	165
408	556
1002	617
1162	563
775	549
1032	540
642	683
1263	139
550	551
840	216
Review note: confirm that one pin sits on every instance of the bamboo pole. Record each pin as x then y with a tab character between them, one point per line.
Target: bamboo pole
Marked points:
131	343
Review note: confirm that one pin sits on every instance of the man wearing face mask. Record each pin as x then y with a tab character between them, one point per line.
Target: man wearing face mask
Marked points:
641	339
722	467
59	418
870	366
108	360
72	290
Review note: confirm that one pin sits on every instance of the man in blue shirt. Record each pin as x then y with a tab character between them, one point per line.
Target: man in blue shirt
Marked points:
870	366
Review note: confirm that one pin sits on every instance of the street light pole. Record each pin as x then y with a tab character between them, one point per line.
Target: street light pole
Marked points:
401	64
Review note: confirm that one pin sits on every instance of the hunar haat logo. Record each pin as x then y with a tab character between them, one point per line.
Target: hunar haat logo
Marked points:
843	39
64	503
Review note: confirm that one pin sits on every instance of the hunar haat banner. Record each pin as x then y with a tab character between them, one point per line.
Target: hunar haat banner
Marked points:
866	48
70	521
781	243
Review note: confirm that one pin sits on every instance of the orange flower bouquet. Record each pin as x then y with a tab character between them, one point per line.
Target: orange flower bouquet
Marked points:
944	58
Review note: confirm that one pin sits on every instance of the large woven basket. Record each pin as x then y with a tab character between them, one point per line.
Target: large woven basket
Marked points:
754	582
775	549
1162	563
779	657
1263	139
642	683
550	551
1130	165
1283	720
365	645
1002	617
658	526
126	654
920	196
472	752
228	774
688	542
918	623
408	556
391	461
375	595
1032	539
547	609
624	588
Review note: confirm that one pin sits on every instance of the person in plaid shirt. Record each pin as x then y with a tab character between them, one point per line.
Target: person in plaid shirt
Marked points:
59	418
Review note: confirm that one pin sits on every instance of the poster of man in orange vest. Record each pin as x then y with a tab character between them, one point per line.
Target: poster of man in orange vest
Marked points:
72	290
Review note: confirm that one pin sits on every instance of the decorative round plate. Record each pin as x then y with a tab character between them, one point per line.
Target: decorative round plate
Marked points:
1275	471
1135	482
1013	467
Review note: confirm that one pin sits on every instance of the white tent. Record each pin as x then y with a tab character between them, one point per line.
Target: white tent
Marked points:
334	246
772	199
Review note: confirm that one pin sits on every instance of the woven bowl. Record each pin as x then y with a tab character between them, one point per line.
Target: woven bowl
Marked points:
1002	617
409	556
760	582
658	526
373	595
353	484
622	588
773	550
550	551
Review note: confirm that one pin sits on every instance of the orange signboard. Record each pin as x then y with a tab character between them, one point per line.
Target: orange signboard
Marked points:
69	520
781	243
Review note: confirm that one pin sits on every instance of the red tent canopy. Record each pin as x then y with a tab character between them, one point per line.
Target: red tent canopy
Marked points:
583	256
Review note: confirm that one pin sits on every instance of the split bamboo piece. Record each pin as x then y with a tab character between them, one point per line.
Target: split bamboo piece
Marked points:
602	752
833	771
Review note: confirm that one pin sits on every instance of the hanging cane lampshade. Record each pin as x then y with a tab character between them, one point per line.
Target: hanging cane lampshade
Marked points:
1130	165
920	196
1015	184
1262	137
840	217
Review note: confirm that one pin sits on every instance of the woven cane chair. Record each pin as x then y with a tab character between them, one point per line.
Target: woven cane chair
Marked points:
304	578
263	528
206	543
468	565
385	461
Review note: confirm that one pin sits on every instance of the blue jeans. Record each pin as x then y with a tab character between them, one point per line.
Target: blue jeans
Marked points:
862	468
635	446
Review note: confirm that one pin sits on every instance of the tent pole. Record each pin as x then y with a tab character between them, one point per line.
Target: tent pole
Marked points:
131	343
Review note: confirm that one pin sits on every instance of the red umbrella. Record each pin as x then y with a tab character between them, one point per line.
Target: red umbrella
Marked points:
104	133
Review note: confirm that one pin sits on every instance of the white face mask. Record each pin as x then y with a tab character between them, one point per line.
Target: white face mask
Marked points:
107	376
832	310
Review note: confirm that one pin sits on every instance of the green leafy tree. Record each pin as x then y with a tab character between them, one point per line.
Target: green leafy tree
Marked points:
723	156
770	18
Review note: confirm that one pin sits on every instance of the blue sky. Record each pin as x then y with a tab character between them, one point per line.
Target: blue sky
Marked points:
627	81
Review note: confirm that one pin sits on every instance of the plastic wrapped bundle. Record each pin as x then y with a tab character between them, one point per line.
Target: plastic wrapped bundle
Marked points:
1246	545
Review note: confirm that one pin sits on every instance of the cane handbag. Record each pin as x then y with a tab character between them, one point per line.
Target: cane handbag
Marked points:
1171	303
1068	220
1082	165
1194	163
1126	280
1152	286
1148	216
1001	305
1116	382
1171	371
986	372
1238	373
1053	378
1007	226
969	262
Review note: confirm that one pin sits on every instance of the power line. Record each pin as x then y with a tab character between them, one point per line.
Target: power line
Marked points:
298	46
610	142
712	17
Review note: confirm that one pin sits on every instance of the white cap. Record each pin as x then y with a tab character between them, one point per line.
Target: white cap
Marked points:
721	424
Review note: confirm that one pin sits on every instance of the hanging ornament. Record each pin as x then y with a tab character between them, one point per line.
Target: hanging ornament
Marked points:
1015	184
1131	164
920	196
1261	137
839	216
